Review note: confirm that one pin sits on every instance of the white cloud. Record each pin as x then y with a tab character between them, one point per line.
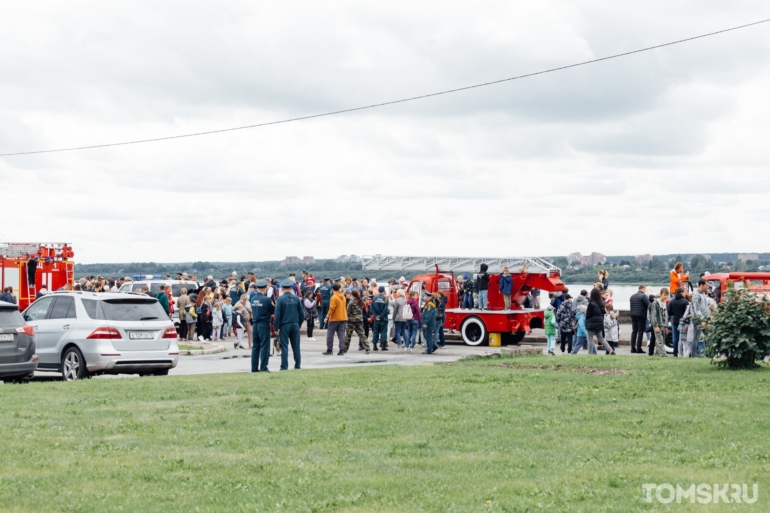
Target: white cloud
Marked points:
654	153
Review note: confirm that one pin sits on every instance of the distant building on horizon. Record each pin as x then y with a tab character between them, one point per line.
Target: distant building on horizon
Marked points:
308	260
576	257
748	256
290	260
346	258
596	259
643	259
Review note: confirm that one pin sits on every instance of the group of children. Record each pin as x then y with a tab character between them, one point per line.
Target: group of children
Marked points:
566	319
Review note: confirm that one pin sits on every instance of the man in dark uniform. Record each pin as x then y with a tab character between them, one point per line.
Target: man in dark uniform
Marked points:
379	310
289	313
261	314
326	296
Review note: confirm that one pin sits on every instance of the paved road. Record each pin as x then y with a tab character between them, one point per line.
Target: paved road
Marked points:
234	360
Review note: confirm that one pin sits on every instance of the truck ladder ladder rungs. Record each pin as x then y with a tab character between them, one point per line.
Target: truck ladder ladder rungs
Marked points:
534	265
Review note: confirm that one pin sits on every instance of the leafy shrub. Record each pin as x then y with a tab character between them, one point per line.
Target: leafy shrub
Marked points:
738	334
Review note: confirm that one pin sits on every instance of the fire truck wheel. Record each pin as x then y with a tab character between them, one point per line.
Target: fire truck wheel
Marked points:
514	338
474	332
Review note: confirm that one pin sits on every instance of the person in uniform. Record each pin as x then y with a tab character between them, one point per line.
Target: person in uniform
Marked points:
289	313
355	323
326	296
380	312
262	310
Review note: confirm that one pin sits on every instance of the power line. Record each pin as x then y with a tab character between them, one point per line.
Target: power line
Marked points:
393	102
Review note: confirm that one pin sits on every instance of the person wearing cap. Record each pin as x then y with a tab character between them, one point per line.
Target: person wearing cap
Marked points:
325	290
252	290
566	317
380	326
289	313
336	321
262	310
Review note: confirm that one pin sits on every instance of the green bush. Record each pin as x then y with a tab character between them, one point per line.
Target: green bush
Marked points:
738	335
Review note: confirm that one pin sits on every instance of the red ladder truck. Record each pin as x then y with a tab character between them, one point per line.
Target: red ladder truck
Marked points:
54	269
475	325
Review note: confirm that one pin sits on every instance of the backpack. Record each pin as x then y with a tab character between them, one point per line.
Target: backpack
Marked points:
406	312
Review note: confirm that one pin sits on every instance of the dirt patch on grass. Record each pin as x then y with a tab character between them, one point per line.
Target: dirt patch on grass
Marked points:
579	368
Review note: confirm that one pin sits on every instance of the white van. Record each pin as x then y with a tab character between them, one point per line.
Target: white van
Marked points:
157	285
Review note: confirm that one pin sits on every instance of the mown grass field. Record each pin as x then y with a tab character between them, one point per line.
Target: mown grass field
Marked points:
475	436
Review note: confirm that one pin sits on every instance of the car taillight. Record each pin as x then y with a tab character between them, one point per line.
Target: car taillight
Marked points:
170	333
26	329
105	333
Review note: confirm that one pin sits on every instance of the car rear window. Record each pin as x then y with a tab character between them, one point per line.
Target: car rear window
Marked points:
93	309
11	318
176	288
128	309
132	309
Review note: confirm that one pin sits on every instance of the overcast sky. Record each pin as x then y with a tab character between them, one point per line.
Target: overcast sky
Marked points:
660	152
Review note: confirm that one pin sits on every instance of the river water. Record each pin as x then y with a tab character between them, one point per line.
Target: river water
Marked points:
621	294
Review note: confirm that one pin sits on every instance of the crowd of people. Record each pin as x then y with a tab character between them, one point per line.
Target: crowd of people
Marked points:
214	310
672	315
345	307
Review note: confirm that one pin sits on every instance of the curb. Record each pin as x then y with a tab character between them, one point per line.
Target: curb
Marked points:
193	352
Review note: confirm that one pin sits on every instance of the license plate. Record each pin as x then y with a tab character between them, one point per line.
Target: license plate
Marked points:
141	335
7	337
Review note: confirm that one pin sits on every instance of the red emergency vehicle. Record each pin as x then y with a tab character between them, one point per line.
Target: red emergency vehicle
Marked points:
757	282
53	268
475	325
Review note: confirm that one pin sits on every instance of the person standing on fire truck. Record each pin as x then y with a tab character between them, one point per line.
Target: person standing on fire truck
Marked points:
32	270
483	281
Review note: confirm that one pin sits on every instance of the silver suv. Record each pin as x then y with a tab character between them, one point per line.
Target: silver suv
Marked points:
84	333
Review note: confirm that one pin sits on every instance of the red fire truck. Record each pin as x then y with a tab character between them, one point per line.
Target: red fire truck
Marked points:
475	325
53	268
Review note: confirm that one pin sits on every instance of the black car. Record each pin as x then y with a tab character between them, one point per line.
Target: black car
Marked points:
18	360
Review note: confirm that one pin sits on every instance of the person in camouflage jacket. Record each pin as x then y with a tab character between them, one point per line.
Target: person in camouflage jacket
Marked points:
565	316
659	321
356	322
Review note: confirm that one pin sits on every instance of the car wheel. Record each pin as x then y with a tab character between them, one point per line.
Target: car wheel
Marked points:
73	365
474	332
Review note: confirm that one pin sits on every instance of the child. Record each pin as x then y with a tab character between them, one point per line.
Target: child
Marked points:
238	326
311	312
550	329
581	340
216	319
611	326
227	317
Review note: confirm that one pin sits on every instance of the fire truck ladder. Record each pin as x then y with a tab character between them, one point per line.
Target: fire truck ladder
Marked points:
534	265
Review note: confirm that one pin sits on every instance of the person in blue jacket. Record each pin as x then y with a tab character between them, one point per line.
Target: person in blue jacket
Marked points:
581	340
325	290
429	323
289	313
506	287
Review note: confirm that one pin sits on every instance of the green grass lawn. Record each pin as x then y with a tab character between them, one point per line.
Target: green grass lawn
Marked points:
474	436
